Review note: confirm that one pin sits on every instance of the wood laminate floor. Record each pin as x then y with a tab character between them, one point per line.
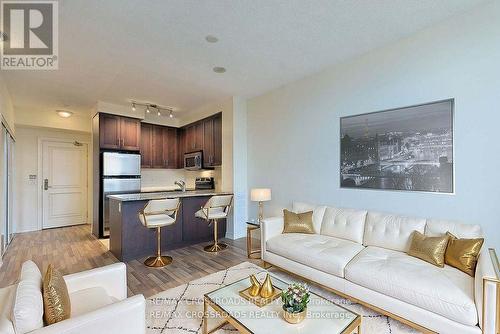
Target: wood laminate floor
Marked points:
74	249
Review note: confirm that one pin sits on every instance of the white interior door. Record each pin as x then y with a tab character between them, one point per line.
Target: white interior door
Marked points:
64	183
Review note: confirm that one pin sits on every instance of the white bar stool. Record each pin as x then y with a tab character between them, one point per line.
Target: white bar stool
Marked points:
217	207
157	214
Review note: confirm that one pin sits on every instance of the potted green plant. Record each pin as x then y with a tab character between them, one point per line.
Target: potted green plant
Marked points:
295	299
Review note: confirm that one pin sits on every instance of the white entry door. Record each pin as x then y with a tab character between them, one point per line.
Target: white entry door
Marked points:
64	183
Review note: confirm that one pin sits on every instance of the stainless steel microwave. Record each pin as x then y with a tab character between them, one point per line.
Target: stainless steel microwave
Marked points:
193	160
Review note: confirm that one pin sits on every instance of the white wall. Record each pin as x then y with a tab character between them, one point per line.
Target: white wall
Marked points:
51	120
293	131
26	163
240	181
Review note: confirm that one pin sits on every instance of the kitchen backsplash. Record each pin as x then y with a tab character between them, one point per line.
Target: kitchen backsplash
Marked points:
165	178
160	177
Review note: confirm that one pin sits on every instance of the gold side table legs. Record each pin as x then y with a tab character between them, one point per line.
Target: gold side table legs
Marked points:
250	250
216	246
158	261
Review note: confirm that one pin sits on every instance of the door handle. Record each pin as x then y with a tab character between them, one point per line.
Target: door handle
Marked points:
46	184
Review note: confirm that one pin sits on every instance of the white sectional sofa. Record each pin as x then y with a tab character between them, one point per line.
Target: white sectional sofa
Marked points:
361	255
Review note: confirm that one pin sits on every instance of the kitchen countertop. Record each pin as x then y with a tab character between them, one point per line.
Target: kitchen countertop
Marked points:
145	196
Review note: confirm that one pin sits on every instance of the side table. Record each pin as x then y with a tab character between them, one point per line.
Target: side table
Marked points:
252	226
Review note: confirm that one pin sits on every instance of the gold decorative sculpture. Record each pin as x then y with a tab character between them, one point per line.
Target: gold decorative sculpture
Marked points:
260	294
255	287
267	289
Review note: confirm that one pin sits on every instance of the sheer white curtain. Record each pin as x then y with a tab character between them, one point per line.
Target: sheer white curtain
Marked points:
6	187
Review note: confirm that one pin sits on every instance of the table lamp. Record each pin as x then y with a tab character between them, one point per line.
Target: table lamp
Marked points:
260	195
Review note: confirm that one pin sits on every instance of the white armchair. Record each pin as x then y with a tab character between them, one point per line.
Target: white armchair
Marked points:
99	304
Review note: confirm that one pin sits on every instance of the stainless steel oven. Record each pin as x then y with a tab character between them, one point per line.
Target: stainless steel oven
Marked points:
193	160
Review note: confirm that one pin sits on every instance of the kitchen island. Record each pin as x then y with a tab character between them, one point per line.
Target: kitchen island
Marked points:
129	239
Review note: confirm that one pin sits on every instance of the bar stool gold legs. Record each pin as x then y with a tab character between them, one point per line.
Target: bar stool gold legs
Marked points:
216	246
158	260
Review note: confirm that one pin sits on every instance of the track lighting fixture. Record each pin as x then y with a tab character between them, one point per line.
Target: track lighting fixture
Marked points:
151	106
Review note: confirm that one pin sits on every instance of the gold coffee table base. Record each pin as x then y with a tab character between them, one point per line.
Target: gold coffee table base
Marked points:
354	327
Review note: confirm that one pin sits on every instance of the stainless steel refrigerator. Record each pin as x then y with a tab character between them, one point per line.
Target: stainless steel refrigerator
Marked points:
121	174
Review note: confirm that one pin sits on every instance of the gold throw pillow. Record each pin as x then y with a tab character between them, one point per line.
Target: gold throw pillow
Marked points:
298	222
463	253
56	303
429	249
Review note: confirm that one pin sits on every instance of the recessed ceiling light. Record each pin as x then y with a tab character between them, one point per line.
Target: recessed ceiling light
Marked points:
211	39
64	113
218	69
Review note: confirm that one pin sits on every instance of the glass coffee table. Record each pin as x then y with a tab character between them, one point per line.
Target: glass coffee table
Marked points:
226	305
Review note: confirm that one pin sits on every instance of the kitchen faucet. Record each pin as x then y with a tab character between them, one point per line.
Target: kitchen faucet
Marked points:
181	184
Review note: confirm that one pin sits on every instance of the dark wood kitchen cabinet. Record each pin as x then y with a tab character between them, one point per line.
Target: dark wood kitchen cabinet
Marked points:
204	135
181	147
194	137
119	133
109	131
158	146
146	145
212	143
130	130
170	145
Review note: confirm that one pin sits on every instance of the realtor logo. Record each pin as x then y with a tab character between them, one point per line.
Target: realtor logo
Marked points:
29	35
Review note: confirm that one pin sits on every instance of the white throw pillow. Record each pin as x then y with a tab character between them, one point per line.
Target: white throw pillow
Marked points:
30	271
27	309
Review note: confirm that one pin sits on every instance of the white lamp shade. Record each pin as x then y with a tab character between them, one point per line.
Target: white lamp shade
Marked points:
260	195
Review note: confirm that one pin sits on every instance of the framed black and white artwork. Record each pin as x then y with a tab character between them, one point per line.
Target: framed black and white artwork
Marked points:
407	149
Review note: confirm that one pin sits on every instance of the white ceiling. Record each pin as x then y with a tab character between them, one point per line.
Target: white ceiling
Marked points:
155	50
